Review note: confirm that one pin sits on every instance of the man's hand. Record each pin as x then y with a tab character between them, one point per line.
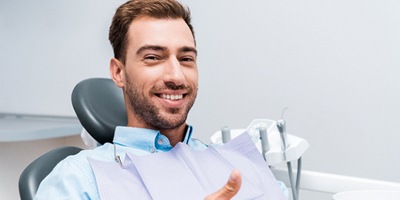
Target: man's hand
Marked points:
230	188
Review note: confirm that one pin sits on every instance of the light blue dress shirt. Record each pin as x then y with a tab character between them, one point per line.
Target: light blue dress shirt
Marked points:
73	177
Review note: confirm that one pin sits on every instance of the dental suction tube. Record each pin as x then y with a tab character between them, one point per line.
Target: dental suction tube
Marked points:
281	124
226	134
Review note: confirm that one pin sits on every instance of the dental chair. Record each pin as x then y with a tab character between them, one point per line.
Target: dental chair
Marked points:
99	106
35	172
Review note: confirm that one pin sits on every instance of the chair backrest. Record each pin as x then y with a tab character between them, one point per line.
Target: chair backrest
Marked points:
35	172
99	106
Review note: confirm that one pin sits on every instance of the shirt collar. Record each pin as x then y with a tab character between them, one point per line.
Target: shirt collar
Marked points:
145	139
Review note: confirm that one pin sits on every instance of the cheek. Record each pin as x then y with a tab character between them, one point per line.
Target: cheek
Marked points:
141	76
192	76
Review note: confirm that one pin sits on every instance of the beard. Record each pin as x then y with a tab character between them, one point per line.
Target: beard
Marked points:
152	115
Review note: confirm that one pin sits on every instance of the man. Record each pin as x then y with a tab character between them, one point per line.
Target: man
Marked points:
155	65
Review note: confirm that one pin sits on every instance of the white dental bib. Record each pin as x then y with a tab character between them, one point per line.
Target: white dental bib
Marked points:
184	173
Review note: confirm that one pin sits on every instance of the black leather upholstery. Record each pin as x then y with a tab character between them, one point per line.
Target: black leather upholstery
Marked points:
99	105
36	171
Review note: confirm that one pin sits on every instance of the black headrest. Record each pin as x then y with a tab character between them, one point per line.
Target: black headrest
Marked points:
99	106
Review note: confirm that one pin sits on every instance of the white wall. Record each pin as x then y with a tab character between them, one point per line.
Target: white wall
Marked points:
47	47
335	64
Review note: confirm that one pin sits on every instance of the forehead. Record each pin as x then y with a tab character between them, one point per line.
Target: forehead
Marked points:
170	33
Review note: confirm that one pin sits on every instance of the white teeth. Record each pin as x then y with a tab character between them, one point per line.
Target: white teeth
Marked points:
172	97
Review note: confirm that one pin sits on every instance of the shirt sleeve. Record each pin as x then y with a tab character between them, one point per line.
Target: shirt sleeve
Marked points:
72	178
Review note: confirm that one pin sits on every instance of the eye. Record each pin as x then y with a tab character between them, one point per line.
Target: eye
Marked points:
151	57
187	59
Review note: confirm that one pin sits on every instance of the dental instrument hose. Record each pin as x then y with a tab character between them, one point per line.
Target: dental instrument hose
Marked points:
298	176
281	124
295	185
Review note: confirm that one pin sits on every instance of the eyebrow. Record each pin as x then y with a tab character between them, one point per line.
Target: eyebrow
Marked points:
150	47
164	49
188	49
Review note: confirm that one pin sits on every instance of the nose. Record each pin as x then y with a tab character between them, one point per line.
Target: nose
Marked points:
174	72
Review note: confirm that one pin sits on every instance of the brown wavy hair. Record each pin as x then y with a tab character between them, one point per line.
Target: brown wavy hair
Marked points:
127	12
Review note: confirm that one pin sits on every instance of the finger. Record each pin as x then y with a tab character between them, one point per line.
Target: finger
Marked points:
233	185
230	189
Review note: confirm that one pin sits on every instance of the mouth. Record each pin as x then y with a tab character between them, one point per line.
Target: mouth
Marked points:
172	100
172	97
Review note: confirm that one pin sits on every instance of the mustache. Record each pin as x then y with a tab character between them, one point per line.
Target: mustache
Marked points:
172	86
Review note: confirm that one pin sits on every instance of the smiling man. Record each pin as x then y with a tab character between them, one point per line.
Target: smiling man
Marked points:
155	65
158	75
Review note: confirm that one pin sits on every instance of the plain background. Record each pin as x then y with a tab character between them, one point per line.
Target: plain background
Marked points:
334	64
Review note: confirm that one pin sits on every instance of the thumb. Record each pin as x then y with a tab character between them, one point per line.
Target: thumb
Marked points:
230	189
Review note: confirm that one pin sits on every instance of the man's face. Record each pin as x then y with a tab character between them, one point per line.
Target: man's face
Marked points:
160	72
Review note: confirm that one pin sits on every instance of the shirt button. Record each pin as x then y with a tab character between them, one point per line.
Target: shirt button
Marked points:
152	150
160	141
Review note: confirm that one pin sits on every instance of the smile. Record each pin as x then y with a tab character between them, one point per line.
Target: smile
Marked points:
172	97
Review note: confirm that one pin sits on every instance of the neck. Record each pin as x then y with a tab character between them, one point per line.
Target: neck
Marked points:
175	135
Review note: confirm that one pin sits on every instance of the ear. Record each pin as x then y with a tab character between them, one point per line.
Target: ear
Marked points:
117	72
